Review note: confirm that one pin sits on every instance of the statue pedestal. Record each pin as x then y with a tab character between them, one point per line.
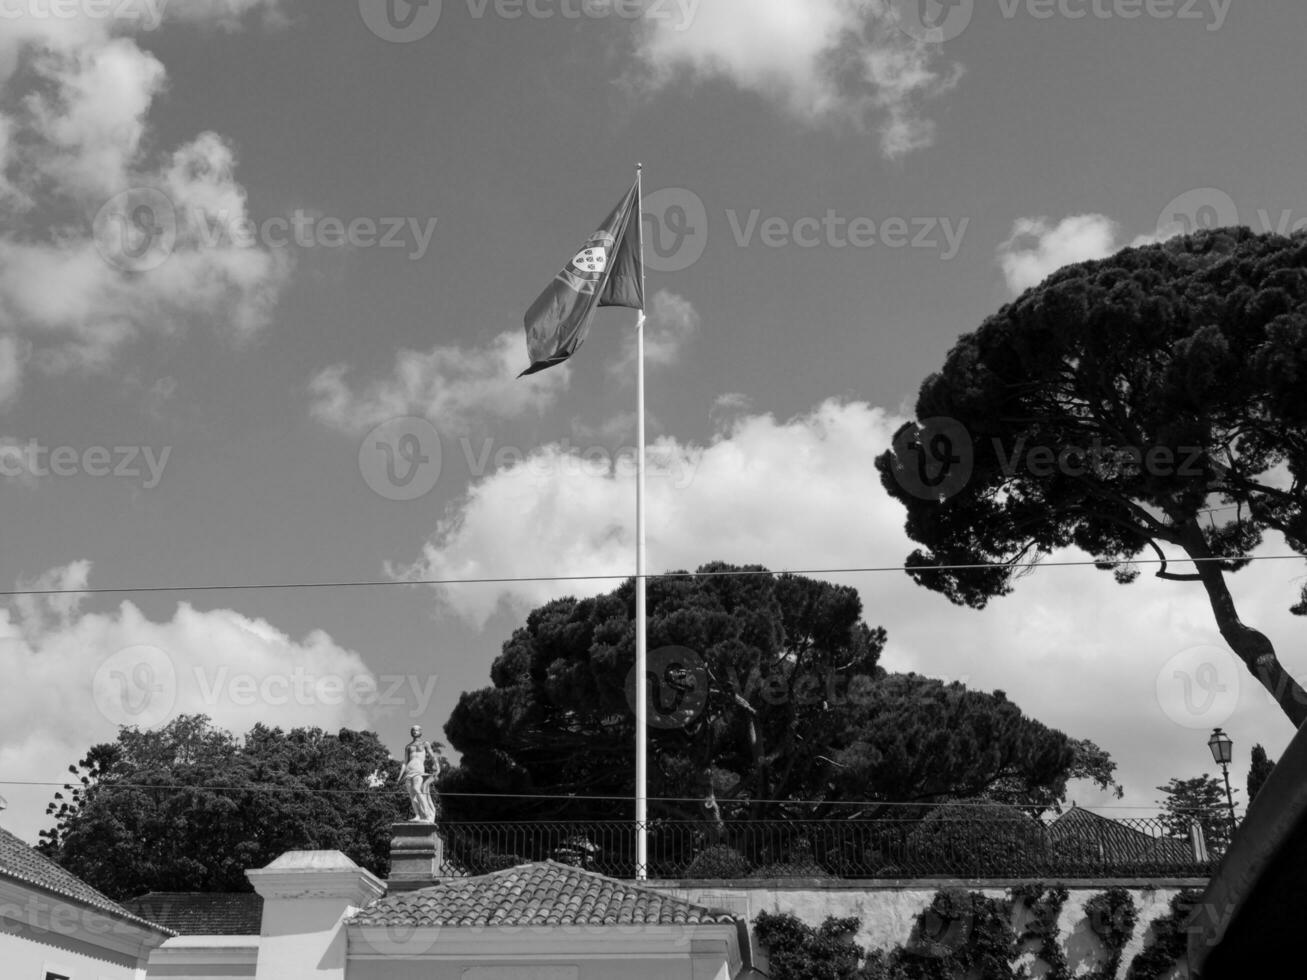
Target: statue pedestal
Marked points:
416	854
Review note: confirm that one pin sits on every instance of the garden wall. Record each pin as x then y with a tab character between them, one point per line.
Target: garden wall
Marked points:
889	910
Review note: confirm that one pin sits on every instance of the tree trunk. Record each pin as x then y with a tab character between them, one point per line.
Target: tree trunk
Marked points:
1251	646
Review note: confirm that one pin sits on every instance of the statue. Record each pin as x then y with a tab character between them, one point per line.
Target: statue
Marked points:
413	773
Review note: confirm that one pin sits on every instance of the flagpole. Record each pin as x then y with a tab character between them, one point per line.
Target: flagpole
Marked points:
641	636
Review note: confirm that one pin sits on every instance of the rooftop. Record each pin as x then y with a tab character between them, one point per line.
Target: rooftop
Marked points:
22	863
202	913
545	893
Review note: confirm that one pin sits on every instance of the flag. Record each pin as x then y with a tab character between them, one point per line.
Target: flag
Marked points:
607	271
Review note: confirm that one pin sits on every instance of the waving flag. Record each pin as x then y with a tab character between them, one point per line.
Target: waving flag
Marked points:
607	271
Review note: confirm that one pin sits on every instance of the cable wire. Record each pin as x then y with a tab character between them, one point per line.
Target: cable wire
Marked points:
525	579
535	796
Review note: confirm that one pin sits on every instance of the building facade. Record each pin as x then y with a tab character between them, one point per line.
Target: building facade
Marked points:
54	926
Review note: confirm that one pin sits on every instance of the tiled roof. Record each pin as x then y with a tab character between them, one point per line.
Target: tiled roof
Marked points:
1115	841
202	913
547	893
29	866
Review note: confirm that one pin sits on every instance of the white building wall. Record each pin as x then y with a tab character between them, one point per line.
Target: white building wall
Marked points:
24	958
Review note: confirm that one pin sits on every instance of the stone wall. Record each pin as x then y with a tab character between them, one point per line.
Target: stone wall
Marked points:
889	910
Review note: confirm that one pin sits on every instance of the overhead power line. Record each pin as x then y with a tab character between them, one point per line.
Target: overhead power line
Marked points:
267	788
526	579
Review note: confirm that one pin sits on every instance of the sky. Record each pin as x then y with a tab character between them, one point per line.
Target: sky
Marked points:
263	266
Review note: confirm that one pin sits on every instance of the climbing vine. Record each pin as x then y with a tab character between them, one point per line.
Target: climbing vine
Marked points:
1169	941
1045	909
962	934
1112	915
797	951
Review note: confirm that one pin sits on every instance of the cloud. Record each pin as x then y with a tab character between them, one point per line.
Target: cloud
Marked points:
1037	248
89	118
672	322
86	673
1070	646
454	386
75	160
561	513
448	385
37	614
820	59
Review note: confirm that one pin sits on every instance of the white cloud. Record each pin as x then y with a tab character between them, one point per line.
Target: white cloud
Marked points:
89	119
559	514
74	141
85	673
1037	248
1070	646
671	324
37	614
821	59
449	385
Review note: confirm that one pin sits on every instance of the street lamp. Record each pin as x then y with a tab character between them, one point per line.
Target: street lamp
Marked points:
1222	747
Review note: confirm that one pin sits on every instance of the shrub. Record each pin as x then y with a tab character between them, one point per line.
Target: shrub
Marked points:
982	840
718	862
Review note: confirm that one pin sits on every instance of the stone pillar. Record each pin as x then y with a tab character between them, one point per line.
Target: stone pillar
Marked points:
416	854
306	895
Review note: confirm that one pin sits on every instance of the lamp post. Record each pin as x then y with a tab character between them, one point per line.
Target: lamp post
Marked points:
1222	747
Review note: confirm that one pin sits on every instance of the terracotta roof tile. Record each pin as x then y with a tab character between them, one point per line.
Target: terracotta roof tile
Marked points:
25	864
202	913
547	893
1115	842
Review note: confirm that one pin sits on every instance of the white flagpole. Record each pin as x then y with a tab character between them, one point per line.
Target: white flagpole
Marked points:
641	638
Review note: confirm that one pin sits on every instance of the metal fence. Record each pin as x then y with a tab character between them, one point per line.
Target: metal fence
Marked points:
850	849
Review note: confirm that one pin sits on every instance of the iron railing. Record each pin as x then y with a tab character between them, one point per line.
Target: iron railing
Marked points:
849	849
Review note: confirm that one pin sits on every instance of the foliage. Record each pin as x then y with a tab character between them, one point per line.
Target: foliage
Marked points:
1045	908
718	862
781	699
1259	771
188	807
796	951
981	838
960	934
1202	799
1169	942
1112	915
1153	402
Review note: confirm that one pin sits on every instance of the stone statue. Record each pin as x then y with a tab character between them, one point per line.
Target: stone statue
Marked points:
413	774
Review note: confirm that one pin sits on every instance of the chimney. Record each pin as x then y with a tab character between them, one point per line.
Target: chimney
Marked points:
306	895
